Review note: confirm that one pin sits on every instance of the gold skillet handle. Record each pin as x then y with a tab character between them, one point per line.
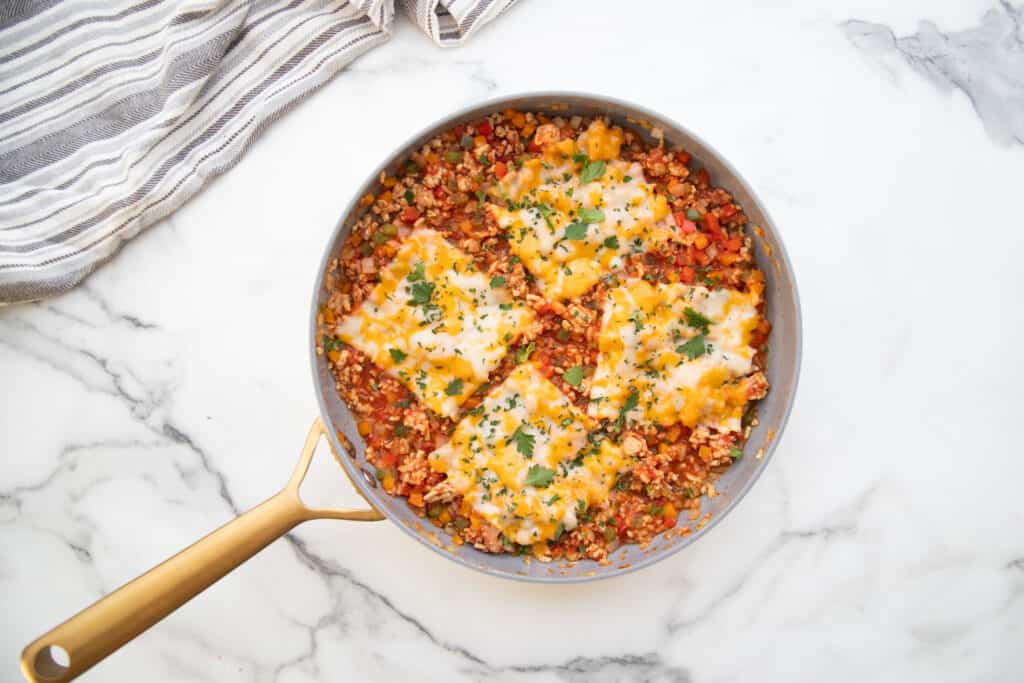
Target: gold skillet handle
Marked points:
96	632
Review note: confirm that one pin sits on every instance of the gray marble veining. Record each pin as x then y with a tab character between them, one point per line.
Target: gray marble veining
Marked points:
985	63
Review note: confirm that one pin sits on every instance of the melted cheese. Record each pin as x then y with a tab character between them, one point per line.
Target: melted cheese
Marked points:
434	322
611	216
643	333
486	463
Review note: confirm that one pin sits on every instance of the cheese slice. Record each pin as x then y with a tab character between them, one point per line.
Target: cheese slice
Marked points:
657	361
569	225
524	462
434	322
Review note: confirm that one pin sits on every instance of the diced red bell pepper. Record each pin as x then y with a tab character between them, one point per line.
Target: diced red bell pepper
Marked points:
410	214
439	192
500	169
728	211
711	224
687	275
485	129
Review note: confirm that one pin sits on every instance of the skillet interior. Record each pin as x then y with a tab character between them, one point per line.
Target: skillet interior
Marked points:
783	369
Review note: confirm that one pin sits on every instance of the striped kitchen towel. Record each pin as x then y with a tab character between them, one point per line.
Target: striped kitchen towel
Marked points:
114	112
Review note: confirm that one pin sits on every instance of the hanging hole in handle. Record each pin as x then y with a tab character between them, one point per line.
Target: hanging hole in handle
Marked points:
51	662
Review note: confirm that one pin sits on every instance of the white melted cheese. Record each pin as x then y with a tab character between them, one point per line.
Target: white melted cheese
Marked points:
526	424
643	351
568	232
434	322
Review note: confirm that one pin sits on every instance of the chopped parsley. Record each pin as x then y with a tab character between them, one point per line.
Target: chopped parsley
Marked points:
422	293
627	178
576	232
591	215
592	171
696	320
523	441
330	344
694	348
401	430
397	355
612	242
484	161
539	476
410	197
480	196
454	387
417	273
497	281
637	318
573	376
735	453
524	352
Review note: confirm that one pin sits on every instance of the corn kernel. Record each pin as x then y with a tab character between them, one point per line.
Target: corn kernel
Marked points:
363	427
700	241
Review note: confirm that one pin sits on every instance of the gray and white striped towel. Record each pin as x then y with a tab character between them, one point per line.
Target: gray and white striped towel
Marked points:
114	112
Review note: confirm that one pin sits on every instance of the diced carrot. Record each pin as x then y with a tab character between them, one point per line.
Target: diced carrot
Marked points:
334	355
410	214
687	275
363	427
701	241
500	169
416	499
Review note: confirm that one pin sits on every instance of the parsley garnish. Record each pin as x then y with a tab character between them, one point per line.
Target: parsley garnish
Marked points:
591	215
454	387
417	273
694	348
330	344
573	376
576	232
735	453
696	320
497	281
422	292
637	318
592	171
523	442
401	430
632	401
539	476
480	196
397	355
626	178
524	352
580	158
410	197
612	242
484	161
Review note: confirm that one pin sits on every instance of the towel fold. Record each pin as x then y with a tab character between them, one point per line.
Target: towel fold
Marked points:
113	114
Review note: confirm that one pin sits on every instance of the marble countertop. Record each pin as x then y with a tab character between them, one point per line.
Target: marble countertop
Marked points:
884	542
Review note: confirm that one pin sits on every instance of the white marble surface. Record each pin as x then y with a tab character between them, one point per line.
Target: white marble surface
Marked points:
884	542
